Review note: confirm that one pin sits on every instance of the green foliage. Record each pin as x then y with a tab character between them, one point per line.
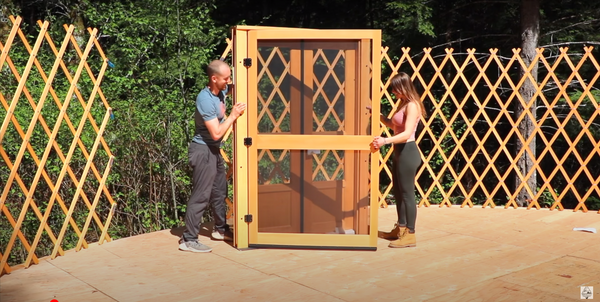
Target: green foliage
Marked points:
410	15
159	51
593	203
546	200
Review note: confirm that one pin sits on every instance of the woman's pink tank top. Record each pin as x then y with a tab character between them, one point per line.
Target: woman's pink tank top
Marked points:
399	120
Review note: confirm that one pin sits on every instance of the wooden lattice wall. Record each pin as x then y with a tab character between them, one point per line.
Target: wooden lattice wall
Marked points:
468	157
55	161
471	98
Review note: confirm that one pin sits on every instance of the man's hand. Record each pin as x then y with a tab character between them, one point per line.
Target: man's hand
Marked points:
237	110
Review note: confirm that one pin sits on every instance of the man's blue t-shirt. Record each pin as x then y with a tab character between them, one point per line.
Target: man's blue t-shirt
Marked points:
208	107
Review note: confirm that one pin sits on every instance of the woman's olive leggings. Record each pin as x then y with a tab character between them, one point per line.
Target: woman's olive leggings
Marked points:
406	161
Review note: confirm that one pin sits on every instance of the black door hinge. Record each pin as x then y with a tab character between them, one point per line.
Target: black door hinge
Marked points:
247	141
247	62
248	218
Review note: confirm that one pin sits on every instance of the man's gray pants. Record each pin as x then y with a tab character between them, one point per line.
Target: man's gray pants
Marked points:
209	187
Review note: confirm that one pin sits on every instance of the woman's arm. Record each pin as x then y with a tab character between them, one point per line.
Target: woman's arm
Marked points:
386	121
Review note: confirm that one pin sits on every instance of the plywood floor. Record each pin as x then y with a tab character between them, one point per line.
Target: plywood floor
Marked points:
461	255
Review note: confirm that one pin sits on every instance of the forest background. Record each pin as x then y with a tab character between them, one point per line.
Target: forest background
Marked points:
159	50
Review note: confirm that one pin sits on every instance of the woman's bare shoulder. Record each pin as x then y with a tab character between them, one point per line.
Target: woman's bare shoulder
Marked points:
412	107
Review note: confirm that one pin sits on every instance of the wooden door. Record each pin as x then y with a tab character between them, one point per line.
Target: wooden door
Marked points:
310	140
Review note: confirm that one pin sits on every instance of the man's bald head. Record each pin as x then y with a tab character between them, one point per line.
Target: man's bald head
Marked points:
219	75
216	67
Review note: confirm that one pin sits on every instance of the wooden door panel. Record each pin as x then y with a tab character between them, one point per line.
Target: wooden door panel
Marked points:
278	209
323	206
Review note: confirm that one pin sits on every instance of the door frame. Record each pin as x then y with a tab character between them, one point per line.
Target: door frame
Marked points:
245	40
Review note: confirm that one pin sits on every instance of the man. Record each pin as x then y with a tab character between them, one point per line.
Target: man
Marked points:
209	177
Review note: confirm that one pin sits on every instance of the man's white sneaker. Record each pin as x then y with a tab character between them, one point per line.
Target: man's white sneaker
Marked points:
227	235
193	246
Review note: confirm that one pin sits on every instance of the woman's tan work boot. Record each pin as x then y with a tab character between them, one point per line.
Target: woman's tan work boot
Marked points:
406	239
393	234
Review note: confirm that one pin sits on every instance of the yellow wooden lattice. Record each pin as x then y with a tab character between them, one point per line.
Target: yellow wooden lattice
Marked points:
450	72
38	145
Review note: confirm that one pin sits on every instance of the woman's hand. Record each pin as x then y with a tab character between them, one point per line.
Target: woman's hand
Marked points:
379	141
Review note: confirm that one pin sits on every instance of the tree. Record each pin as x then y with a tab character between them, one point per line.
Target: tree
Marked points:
530	32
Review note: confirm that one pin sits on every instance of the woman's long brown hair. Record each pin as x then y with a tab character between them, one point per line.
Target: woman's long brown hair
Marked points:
403	84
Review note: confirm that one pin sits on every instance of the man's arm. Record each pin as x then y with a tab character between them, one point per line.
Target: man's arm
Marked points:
216	129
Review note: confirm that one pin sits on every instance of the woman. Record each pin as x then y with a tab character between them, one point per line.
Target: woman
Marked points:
406	158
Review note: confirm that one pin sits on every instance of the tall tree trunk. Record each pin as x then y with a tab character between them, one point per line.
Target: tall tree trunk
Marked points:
530	31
